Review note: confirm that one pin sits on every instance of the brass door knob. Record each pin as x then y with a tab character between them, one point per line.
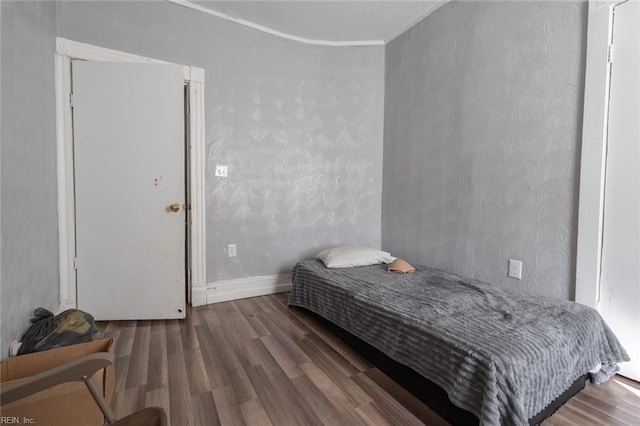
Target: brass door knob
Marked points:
174	207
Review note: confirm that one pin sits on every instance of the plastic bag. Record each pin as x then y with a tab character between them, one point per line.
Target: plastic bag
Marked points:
48	331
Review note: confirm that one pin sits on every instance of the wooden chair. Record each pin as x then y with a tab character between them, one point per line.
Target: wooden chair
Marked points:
81	370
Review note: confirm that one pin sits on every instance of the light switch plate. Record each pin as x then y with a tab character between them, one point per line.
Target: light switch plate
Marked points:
221	170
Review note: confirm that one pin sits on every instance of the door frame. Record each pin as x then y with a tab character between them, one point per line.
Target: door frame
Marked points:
594	150
66	51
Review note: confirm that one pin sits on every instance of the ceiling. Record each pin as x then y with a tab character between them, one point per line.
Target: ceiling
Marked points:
332	21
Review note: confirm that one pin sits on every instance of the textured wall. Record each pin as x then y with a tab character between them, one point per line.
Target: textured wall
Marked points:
483	111
29	202
299	126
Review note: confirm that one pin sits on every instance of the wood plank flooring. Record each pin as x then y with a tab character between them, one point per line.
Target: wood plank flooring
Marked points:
257	362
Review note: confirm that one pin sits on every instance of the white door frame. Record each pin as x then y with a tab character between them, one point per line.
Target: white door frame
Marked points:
594	151
67	50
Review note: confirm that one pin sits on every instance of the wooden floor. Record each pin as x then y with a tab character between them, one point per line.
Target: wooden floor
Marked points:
257	362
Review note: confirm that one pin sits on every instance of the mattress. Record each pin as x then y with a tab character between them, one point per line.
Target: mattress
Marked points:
498	354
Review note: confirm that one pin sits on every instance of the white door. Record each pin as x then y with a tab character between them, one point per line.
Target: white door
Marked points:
620	277
128	135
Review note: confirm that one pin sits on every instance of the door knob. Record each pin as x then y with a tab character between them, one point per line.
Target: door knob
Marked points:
174	207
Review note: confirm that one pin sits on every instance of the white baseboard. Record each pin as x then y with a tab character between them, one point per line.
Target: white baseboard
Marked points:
199	294
241	288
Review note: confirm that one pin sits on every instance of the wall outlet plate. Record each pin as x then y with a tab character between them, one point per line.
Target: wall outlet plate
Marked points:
232	250
515	269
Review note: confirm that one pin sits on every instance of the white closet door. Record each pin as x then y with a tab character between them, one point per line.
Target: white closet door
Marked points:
620	277
128	129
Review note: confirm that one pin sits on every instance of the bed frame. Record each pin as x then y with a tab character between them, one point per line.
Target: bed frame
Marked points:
427	391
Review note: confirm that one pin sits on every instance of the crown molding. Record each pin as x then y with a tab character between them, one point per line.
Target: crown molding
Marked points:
437	4
352	43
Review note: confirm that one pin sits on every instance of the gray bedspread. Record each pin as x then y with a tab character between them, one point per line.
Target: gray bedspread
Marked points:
501	355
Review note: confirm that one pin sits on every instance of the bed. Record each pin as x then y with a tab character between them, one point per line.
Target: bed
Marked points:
505	357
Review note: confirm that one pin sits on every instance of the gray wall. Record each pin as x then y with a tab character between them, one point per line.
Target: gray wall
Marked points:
29	201
299	126
483	111
482	117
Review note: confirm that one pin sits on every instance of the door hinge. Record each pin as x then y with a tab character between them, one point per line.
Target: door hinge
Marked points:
75	263
610	53
71	102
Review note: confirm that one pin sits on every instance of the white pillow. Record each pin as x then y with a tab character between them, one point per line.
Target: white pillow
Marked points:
348	256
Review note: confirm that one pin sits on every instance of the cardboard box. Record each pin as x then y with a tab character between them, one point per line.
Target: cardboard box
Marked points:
65	404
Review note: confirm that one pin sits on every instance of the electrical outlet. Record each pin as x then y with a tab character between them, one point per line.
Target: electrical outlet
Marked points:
221	170
515	269
232	250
